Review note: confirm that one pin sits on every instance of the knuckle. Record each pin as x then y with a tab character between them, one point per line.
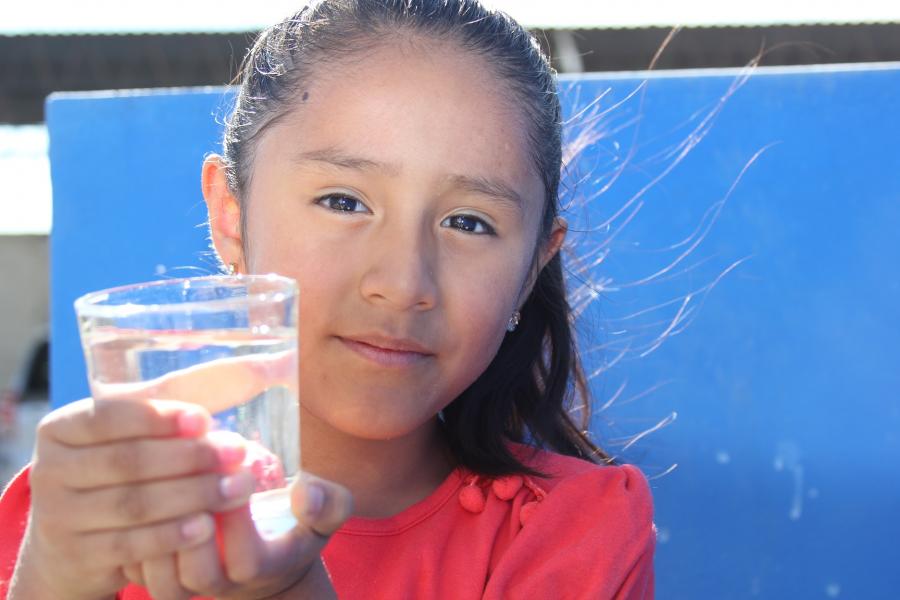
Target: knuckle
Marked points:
197	493
103	417
41	477
125	460
48	426
46	498
45	426
47	525
50	521
204	457
121	546
131	504
55	467
204	580
248	569
163	538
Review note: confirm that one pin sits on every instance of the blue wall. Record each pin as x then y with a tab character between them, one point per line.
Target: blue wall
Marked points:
784	373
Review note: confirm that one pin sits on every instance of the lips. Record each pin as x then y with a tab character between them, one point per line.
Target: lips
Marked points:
387	351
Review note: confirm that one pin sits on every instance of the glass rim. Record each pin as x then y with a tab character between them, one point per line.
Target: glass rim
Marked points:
89	305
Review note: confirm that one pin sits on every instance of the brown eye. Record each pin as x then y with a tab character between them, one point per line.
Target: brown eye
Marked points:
468	224
342	203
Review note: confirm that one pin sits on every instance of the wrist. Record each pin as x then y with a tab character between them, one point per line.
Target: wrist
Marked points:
315	584
29	579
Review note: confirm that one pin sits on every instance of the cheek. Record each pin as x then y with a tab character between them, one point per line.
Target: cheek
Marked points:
282	241
476	318
268	238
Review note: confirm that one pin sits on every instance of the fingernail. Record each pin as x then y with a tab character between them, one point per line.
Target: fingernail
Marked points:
196	528
236	486
315	499
231	455
191	423
229	446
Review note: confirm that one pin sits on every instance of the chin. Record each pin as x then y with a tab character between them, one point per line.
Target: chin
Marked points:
367	423
383	430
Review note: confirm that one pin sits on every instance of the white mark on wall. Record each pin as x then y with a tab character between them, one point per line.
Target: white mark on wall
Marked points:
160	269
663	535
722	457
787	458
754	586
833	590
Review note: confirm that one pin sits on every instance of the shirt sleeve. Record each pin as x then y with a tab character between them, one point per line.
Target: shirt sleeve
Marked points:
591	537
14	505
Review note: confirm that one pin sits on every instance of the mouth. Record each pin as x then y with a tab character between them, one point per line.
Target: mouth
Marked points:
386	351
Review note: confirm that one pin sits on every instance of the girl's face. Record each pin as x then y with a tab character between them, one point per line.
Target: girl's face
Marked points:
399	194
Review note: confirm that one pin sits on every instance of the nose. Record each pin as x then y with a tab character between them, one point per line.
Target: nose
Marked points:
400	272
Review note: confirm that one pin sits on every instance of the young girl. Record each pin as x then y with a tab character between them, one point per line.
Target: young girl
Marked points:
400	159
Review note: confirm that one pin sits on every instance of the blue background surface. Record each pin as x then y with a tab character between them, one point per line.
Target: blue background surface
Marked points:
780	476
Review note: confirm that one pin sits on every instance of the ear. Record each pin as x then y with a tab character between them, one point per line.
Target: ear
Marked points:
554	241
224	213
550	249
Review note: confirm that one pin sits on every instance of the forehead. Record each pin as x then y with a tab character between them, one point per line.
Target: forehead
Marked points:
428	113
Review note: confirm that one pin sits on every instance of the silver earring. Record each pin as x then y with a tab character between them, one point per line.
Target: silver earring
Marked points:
513	321
231	269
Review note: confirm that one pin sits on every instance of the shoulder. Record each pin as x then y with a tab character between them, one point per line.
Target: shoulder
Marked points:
576	479
578	501
611	504
589	533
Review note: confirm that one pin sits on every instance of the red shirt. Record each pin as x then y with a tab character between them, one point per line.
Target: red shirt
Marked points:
584	531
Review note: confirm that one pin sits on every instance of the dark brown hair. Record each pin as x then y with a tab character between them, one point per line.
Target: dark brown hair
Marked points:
534	390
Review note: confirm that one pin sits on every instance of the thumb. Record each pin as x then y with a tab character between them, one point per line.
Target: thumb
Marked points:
320	505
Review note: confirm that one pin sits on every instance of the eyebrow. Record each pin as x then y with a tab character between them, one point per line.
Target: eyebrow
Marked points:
486	187
492	188
336	158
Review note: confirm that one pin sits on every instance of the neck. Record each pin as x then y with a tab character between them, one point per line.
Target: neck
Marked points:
384	476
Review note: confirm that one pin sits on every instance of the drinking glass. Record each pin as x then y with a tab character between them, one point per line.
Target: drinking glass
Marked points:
227	343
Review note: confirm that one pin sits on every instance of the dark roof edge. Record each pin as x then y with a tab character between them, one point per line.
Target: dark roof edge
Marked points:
828	24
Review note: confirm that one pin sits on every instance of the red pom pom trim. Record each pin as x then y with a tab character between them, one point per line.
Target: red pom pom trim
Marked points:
506	488
527	510
472	499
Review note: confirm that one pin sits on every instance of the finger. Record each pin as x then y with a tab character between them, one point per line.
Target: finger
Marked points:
161	575
135	574
267	565
90	422
320	508
241	546
116	463
200	569
320	505
280	559
145	503
217	384
121	547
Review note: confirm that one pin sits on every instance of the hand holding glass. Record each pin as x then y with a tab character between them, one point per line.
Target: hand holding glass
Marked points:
227	343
